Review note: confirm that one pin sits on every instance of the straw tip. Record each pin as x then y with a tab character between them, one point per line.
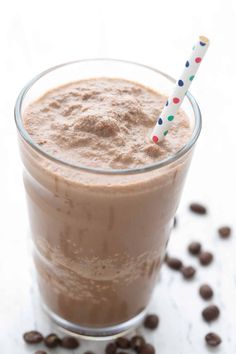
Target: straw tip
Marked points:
204	39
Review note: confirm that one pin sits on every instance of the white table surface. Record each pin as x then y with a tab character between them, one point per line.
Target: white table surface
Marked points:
36	35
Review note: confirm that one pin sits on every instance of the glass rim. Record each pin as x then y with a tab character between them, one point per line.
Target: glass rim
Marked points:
134	170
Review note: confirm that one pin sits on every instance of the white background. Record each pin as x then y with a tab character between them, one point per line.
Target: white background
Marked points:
35	35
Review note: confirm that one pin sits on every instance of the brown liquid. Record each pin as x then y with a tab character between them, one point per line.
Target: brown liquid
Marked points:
100	239
103	123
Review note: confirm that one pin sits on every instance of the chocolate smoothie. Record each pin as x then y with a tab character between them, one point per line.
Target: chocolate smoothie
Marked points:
100	238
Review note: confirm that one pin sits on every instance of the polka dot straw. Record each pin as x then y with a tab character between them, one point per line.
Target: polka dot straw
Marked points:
181	87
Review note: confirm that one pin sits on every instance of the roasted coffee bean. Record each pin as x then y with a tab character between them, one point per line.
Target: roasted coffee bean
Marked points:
205	258
69	342
147	349
198	208
224	231
194	248
33	337
123	343
212	339
174	263
210	313
40	352
151	321
206	292
188	272
136	343
111	348
52	340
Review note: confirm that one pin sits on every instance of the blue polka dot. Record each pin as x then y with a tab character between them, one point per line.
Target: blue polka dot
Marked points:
187	64
167	102
160	121
202	44
180	83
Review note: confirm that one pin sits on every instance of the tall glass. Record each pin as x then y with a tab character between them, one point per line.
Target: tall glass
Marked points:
100	235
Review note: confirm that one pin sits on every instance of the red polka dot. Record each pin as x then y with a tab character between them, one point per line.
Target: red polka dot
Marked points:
155	138
198	60
176	100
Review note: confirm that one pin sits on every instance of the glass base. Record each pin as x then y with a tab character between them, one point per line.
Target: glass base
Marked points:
90	333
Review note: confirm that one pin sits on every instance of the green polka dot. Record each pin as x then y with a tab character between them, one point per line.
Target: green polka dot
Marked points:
165	133
191	78
170	118
193	47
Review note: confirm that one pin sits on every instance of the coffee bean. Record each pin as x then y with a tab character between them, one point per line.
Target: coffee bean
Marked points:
137	342
147	349
224	231
52	340
111	348
40	352
33	337
174	263
212	339
151	321
205	258
198	208
69	342
194	248
188	272
123	343
206	292
210	313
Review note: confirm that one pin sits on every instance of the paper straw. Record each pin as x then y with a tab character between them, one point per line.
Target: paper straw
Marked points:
174	101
